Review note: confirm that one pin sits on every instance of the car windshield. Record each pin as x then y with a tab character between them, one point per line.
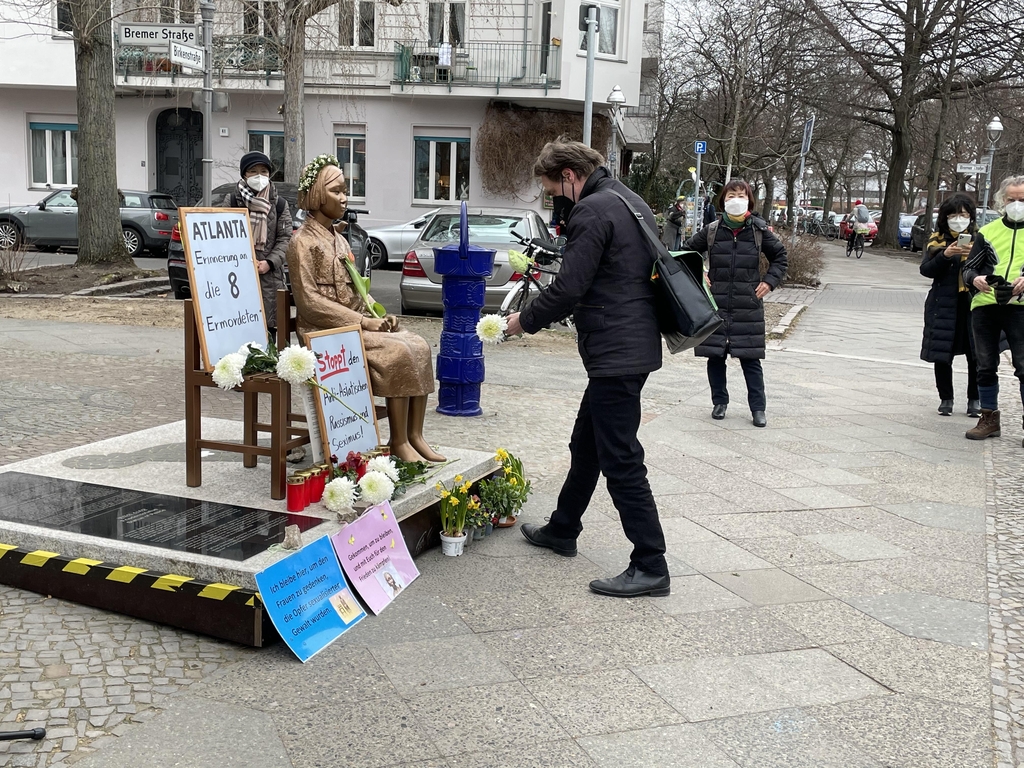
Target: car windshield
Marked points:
445	228
907	220
163	203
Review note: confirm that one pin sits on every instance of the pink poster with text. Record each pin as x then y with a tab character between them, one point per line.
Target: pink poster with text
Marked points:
374	557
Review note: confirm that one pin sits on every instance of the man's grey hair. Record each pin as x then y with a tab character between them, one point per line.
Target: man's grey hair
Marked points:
1009	181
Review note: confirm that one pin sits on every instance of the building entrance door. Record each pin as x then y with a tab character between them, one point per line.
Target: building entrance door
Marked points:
179	155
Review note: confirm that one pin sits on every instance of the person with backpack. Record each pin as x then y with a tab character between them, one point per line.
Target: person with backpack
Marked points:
732	247
271	225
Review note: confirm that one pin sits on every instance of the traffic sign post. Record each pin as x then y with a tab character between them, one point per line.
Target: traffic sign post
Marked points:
700	148
805	147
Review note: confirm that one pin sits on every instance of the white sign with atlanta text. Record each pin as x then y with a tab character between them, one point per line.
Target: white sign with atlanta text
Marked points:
225	282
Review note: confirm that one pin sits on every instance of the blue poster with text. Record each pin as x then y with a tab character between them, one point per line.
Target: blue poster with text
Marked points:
308	599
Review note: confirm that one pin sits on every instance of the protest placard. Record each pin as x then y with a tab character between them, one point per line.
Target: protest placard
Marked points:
374	556
308	599
225	282
350	425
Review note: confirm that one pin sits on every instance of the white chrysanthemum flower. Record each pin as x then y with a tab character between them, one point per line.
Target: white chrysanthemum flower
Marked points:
491	328
519	261
385	465
339	494
227	374
375	487
296	364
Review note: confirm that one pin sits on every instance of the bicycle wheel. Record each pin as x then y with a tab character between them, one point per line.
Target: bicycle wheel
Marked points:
830	234
517	299
859	246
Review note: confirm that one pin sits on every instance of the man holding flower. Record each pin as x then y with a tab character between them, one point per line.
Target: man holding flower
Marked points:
605	283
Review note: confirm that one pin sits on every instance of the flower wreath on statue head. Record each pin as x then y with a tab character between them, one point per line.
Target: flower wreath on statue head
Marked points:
311	171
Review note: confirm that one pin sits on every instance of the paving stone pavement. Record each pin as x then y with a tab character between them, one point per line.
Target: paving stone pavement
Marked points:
836	577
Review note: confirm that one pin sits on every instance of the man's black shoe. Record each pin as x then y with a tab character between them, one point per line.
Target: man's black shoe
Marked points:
759	419
633	583
718	412
536	535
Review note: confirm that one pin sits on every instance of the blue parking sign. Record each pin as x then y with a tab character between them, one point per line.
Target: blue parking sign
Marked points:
700	147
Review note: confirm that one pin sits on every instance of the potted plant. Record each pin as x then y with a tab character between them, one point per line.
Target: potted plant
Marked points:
506	494
477	518
455	504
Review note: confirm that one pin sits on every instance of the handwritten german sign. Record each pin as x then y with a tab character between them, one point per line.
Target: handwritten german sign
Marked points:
341	369
225	282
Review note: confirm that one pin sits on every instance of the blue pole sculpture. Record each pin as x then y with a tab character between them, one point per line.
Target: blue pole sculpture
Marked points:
460	364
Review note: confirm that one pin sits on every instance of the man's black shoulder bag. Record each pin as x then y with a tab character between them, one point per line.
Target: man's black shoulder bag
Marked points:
687	314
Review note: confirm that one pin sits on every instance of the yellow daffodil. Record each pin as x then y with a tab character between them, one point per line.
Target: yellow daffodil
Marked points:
445	494
508	470
438	486
465	487
513	481
458	478
501	455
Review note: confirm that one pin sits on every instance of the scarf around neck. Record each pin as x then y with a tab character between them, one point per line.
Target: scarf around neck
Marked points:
734	223
259	206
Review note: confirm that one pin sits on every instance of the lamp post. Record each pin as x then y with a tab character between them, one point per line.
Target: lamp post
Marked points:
588	93
616	98
206	9
994	128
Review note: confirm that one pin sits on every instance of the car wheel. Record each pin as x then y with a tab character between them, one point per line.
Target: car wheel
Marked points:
132	241
10	236
376	254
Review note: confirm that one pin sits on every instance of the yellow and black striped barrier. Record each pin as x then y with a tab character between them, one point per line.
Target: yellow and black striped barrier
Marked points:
212	608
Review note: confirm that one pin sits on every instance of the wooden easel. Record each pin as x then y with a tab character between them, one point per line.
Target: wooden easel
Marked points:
285	430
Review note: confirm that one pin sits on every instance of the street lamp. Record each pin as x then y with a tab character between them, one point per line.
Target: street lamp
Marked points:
994	129
616	98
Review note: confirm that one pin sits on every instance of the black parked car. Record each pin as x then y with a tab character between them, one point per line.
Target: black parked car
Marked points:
178	272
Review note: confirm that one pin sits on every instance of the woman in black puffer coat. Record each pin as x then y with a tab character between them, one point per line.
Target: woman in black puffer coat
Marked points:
947	310
738	287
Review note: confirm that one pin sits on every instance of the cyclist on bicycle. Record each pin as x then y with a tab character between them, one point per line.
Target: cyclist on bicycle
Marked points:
859	221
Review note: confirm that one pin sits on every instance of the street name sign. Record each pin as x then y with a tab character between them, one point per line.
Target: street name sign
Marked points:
974	168
225	282
157	35
187	56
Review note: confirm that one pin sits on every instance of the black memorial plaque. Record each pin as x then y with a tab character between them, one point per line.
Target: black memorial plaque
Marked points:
169	522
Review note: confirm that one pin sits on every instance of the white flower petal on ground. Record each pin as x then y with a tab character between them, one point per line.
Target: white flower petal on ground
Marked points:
227	374
296	364
339	494
385	465
375	487
491	328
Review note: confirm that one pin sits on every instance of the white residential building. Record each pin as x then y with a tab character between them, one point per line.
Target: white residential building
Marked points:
397	89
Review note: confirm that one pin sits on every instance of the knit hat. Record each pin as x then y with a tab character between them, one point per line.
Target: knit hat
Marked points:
249	159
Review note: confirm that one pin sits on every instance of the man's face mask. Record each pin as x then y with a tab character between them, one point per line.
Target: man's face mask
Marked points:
563	204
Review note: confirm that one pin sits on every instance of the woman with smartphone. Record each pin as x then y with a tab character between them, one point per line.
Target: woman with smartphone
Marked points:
995	272
947	310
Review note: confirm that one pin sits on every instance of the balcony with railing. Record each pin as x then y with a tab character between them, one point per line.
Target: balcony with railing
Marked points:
234	56
480	65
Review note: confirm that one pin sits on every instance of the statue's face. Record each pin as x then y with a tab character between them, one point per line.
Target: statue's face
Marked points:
335	200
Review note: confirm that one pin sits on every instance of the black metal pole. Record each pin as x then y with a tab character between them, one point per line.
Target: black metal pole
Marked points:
35	733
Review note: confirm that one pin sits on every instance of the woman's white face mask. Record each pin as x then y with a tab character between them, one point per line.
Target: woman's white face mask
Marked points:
258	182
958	224
736	206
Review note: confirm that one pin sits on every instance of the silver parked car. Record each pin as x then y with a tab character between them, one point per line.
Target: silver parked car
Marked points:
147	219
388	245
489	228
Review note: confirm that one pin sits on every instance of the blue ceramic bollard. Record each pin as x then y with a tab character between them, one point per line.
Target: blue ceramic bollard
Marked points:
464	270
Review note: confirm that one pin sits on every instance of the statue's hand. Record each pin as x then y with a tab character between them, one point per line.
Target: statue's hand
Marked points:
374	324
393	320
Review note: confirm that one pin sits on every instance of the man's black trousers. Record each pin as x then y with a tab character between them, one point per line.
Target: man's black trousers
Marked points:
604	442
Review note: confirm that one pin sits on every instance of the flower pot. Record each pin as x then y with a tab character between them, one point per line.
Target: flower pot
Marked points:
506	522
478	534
452	545
488	529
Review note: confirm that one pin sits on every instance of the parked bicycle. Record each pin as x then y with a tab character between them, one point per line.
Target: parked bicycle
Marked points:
542	258
815	227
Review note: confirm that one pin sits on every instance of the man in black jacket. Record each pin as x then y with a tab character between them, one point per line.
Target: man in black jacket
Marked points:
605	283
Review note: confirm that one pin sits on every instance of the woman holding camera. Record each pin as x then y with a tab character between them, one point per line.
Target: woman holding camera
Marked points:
947	310
995	270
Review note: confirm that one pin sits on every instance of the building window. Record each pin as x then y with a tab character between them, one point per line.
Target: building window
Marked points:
54	154
441	173
607	29
260	18
356	23
271	144
64	16
446	23
351	152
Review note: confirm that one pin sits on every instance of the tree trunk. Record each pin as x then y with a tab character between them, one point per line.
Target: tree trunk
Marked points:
902	150
830	191
769	196
790	195
100	240
293	55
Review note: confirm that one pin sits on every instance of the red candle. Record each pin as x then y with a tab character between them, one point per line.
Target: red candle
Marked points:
298	494
317	481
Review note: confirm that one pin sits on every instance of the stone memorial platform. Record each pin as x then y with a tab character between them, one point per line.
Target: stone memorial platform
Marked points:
112	524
